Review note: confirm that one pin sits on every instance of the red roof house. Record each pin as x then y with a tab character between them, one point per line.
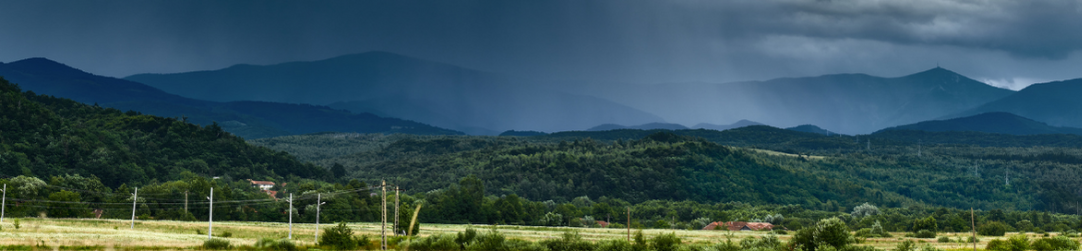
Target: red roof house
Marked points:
264	185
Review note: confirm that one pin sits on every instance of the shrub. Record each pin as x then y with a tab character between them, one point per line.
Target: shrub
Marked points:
996	245
929	247
616	244
216	244
442	242
338	237
856	248
226	234
464	238
877	229
639	241
769	242
944	239
727	245
491	241
994	228
570	241
272	244
1055	243
864	233
925	234
1018	243
16	224
524	245
665	242
365	243
827	232
907	245
286	245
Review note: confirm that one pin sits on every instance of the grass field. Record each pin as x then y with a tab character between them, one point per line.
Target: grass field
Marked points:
103	234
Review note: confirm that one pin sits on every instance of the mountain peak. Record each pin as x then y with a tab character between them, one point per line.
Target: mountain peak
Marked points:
937	72
45	65
378	56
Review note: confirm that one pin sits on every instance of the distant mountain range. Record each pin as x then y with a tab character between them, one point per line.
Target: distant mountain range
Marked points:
671	126
647	126
393	85
366	92
248	119
993	122
843	103
1056	103
738	124
811	129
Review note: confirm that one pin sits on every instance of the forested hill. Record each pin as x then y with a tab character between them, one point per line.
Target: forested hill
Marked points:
46	136
896	169
661	166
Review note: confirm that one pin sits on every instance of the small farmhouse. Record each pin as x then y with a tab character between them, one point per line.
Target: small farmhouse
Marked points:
265	186
262	185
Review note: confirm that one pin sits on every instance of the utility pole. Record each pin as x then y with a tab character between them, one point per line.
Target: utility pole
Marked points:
628	224
973	220
383	221
395	226
134	198
290	216
3	203
318	203
185	201
210	218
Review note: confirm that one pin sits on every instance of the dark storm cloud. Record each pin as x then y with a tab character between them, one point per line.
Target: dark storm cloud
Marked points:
631	41
1023	28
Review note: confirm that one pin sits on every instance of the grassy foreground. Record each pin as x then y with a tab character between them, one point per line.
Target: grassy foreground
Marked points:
108	234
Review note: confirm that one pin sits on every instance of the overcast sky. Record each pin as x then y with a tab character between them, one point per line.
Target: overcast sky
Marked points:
1005	43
